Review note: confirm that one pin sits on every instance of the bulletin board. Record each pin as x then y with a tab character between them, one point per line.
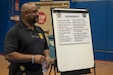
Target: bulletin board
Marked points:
73	40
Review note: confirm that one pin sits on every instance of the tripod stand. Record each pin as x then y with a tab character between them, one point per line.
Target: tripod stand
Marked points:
53	65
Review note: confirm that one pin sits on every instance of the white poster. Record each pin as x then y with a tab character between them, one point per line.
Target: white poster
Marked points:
72	28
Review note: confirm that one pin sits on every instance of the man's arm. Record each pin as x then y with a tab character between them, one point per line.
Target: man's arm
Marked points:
46	53
48	58
21	58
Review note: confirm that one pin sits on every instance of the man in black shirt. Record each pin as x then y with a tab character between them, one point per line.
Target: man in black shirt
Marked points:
25	45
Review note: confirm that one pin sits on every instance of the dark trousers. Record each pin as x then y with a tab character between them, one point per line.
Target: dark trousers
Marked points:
16	69
27	72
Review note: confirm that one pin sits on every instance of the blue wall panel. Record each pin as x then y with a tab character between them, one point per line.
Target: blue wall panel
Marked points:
102	26
4	21
110	26
104	56
98	17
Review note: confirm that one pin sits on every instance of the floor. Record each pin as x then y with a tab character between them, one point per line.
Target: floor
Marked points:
102	68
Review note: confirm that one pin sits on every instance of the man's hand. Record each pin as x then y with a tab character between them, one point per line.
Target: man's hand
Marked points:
48	62
39	59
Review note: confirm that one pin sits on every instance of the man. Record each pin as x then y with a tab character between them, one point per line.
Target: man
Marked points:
25	45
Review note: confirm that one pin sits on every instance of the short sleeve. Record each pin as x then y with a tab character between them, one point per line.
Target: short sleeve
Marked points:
11	41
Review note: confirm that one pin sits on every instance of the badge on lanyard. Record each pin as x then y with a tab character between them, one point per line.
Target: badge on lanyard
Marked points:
40	35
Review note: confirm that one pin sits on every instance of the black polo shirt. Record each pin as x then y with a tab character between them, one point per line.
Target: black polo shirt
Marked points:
21	39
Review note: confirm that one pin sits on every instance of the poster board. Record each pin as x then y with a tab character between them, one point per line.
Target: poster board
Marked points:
73	41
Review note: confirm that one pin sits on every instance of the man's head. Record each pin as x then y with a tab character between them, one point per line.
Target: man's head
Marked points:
29	13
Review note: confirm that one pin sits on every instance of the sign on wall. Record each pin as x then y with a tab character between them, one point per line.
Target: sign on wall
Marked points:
42	18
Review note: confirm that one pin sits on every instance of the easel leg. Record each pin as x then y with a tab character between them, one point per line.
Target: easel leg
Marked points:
50	70
54	70
94	71
94	68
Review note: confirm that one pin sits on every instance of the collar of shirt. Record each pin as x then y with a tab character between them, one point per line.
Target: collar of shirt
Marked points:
26	28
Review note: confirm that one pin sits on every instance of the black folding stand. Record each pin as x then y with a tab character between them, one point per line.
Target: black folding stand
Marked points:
76	72
53	65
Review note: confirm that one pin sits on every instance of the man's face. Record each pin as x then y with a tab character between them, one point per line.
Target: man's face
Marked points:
32	14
